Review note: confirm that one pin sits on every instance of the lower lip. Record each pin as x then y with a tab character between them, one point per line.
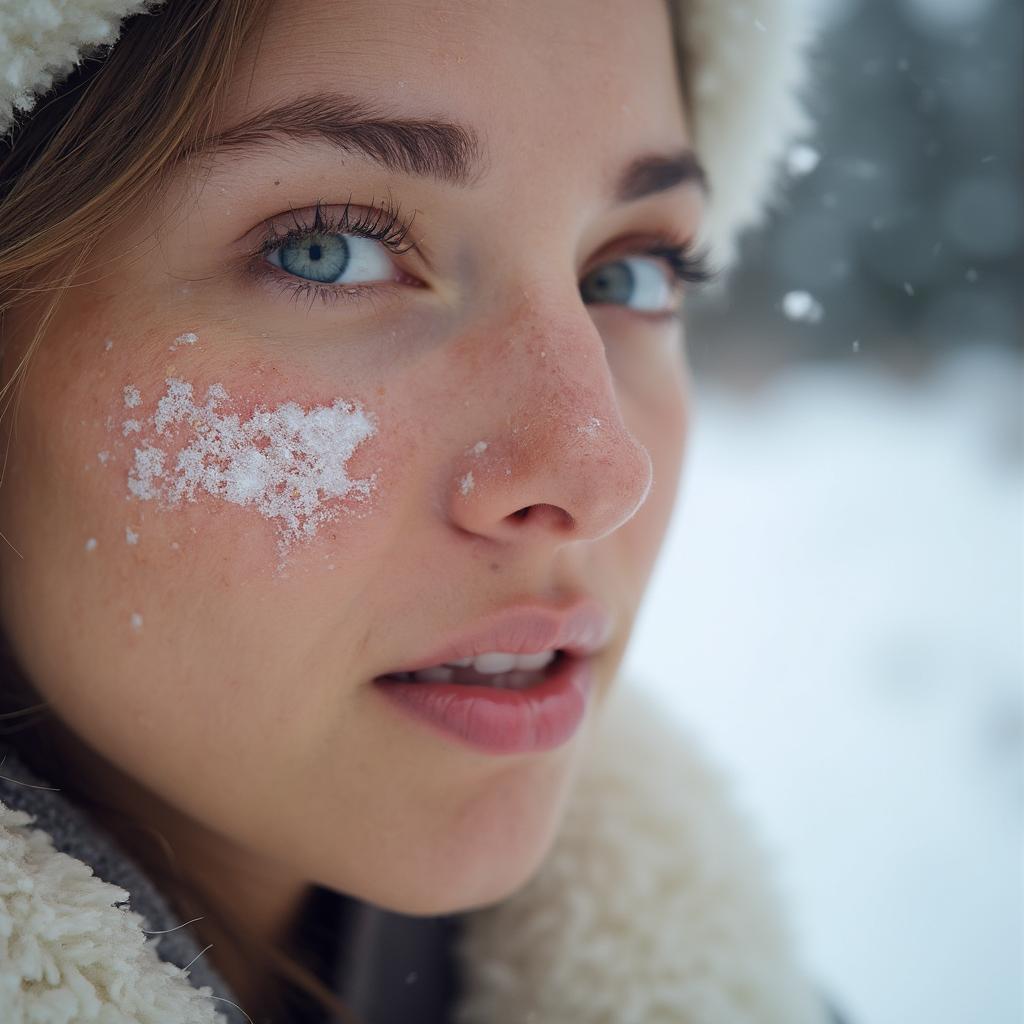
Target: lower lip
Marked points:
541	717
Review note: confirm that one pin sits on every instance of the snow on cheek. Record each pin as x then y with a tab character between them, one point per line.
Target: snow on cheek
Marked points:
289	463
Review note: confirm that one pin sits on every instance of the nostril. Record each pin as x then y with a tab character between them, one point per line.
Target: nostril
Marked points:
542	514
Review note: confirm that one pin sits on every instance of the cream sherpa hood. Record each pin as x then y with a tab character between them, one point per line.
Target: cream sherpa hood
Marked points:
743	64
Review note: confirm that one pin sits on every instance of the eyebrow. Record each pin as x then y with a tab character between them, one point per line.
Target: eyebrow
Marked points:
647	175
446	151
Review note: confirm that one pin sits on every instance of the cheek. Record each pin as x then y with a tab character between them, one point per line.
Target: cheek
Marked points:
137	594
190	444
155	494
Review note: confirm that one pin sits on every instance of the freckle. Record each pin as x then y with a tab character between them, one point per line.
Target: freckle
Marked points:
495	567
278	182
136	621
91	544
130	536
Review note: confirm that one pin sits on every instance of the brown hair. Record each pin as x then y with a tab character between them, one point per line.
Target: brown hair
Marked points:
91	153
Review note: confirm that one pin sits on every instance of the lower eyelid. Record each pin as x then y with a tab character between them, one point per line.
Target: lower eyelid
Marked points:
279	284
260	268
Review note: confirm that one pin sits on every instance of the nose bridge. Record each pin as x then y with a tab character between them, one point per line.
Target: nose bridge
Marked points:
559	455
568	389
561	356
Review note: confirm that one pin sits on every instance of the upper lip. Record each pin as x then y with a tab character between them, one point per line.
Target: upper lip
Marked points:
581	629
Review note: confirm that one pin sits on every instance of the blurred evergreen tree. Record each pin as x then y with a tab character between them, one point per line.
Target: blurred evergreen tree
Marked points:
909	229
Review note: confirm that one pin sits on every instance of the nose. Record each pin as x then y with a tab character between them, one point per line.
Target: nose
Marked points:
550	459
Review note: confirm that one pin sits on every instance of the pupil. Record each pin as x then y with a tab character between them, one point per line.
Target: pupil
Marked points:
314	252
612	283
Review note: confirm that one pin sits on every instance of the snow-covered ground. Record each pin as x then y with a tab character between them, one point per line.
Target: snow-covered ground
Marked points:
839	612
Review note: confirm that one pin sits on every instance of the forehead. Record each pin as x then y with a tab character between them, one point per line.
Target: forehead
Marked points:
539	80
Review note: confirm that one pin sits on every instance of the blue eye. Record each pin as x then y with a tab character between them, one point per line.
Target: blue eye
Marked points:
333	258
639	282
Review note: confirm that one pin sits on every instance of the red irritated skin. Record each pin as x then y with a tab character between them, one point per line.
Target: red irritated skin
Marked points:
526	377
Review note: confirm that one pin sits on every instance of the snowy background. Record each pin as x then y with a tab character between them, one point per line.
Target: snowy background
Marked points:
839	606
838	612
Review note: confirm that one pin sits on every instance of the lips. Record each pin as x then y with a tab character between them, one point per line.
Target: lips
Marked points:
578	631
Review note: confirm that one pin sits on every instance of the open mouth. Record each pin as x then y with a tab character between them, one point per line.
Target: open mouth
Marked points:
495	670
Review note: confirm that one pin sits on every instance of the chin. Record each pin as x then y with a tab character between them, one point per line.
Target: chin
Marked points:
497	848
479	890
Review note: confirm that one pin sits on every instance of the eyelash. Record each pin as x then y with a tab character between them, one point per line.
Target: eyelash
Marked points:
386	225
687	264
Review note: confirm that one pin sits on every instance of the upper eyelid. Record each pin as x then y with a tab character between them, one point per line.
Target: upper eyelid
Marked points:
302	225
630	246
269	234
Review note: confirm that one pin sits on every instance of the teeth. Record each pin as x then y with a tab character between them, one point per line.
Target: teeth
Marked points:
503	670
494	664
497	662
532	662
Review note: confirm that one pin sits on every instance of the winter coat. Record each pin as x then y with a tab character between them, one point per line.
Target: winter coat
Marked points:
655	905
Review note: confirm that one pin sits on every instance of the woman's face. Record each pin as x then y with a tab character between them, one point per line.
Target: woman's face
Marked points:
210	580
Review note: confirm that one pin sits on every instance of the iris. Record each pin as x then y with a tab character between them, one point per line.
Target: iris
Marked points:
320	258
637	282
